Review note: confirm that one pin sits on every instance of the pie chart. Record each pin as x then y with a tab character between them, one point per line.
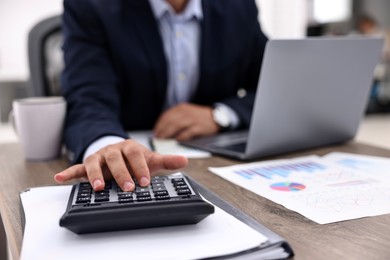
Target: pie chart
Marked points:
288	186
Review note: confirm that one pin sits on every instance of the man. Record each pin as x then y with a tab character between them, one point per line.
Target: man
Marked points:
172	65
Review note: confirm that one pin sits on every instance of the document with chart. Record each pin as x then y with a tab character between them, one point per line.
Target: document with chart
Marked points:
336	187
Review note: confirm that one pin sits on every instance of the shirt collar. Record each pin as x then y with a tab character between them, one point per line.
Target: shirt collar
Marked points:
193	9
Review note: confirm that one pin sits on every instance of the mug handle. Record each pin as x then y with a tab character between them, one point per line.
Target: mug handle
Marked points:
11	120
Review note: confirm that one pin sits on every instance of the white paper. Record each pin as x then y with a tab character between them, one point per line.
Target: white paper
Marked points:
326	189
142	137
167	146
218	234
171	146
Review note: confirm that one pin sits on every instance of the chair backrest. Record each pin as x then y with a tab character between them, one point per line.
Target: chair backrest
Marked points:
45	57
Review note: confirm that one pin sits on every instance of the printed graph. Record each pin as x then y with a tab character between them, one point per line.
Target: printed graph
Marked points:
281	170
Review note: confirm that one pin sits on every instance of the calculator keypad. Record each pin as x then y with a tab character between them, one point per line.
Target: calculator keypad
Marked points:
168	201
161	188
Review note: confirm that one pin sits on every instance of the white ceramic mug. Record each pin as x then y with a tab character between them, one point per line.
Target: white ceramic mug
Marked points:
38	122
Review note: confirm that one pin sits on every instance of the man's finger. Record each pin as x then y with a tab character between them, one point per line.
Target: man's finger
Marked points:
139	167
119	170
93	165
166	162
74	172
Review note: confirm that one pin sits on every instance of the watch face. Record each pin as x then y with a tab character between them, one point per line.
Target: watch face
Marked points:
221	117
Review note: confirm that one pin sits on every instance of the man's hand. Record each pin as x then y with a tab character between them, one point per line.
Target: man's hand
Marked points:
121	161
186	121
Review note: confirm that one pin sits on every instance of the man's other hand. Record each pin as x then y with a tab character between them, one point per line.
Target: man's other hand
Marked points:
186	121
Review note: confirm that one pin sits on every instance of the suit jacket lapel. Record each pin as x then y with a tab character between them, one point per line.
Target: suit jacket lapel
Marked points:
147	29
209	39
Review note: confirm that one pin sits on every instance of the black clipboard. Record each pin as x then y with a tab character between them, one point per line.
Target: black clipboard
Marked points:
271	248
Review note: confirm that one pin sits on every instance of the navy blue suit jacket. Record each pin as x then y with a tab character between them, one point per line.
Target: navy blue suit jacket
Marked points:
115	78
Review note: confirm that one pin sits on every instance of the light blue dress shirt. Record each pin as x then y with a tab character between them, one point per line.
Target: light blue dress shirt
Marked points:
180	35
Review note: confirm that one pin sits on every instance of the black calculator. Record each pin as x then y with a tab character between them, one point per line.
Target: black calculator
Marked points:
169	200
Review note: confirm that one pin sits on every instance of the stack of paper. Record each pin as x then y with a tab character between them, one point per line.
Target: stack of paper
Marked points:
218	234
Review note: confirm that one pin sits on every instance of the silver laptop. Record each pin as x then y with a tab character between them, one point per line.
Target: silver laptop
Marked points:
311	92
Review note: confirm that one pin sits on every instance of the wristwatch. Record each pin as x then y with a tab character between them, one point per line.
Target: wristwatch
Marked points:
221	117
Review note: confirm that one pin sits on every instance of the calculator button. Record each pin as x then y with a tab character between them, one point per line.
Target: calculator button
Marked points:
85	190
141	189
156	179
143	194
125	200
157	184
85	185
102	193
83	200
177	180
161	193
162	197
144	198
183	191
79	195
125	195
102	198
179	187
179	183
159	189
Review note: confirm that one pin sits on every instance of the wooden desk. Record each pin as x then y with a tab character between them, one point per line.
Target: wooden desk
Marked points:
367	238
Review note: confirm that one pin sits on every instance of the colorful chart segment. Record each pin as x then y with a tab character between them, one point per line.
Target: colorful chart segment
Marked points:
288	186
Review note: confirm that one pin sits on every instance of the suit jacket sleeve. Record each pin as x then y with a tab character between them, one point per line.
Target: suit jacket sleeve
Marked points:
243	106
89	81
231	55
250	69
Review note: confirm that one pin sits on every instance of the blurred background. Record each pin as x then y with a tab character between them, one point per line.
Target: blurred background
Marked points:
279	19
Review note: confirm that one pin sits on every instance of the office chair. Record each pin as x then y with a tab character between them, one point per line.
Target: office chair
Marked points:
45	57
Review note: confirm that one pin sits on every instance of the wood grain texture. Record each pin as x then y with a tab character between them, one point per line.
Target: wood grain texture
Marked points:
366	238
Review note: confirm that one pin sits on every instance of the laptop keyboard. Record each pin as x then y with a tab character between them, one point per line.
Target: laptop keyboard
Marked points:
237	147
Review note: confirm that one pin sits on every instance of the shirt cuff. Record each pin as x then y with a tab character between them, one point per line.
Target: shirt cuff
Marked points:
100	143
233	117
